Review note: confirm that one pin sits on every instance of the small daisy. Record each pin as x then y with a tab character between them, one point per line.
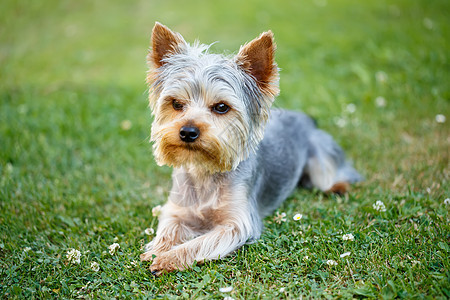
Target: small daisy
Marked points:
156	211
380	101
379	206
226	289
440	118
73	256
428	23
113	248
282	290
149	231
159	190
95	266
345	254
351	108
305	258
26	249
126	125
331	262
279	218
447	201
297	217
348	237
340	122
381	77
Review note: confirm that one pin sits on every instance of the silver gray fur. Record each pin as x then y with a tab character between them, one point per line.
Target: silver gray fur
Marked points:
278	167
209	216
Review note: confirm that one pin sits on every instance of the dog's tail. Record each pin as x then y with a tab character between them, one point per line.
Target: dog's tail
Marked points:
326	167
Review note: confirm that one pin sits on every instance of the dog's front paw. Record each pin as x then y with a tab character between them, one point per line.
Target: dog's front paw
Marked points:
148	256
149	246
168	262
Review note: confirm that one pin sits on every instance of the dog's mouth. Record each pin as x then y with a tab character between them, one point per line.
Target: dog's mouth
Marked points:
198	149
204	156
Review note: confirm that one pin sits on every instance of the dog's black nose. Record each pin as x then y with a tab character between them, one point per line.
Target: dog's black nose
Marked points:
189	134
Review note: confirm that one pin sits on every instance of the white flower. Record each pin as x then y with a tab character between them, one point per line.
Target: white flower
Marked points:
331	262
380	101
126	125
226	289
73	256
340	122
428	23
348	237
113	248
282	290
159	190
280	217
447	201
381	77
149	231
95	266
297	217
351	108
440	118
305	258
156	211
228	298
345	254
26	249
379	206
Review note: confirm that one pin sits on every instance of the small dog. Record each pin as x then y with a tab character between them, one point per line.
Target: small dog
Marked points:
235	160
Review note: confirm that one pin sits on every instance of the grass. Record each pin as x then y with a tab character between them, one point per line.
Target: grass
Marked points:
74	175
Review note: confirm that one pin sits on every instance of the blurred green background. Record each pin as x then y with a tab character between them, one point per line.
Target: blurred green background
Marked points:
56	55
76	166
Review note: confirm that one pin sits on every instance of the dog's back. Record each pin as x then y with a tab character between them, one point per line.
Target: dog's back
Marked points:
294	151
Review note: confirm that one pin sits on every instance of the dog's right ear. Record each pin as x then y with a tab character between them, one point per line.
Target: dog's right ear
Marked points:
165	42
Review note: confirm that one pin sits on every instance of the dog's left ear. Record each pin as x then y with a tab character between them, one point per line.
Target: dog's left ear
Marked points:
257	59
165	42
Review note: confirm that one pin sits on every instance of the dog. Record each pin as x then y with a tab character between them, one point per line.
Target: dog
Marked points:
235	159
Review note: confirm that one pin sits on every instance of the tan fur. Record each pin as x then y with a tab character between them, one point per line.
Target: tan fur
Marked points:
164	43
257	57
197	232
212	208
208	153
339	188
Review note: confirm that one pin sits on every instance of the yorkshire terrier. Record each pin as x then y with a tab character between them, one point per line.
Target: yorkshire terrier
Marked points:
235	160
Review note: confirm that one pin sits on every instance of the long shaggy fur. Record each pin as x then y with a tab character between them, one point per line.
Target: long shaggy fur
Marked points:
244	162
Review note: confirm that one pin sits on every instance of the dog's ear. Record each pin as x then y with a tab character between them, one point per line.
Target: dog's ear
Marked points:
257	59
165	42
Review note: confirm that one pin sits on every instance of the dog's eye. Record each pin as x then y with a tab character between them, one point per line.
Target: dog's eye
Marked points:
221	108
177	105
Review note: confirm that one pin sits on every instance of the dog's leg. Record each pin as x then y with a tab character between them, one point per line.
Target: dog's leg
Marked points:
215	244
228	226
327	168
171	232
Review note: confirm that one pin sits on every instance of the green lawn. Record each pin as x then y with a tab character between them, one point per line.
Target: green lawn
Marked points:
77	172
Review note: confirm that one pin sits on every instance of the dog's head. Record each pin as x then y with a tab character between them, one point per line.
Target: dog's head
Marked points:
209	110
